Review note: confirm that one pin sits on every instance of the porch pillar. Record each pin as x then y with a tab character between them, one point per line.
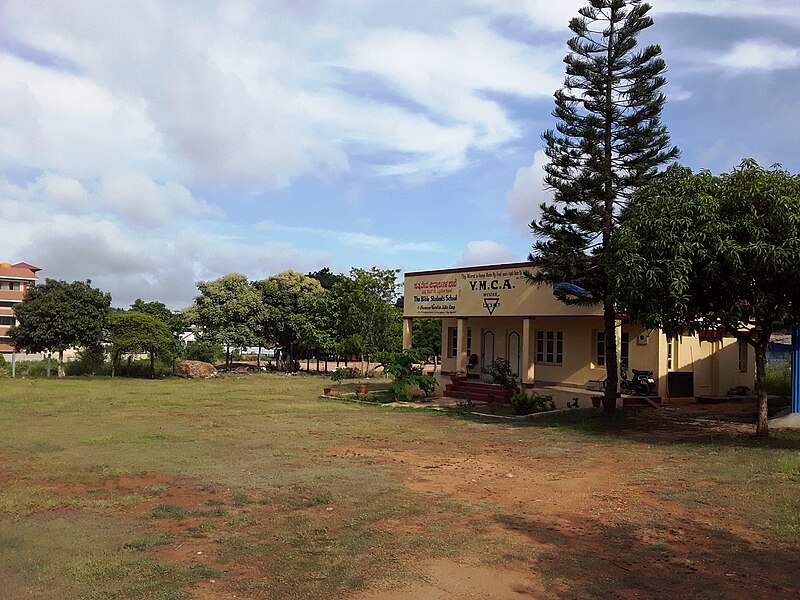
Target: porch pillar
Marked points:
716	350
796	369
408	325
527	374
461	344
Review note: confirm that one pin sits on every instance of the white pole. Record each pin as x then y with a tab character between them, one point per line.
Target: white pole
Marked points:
13	365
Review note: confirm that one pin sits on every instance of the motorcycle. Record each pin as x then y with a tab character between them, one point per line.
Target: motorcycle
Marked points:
642	383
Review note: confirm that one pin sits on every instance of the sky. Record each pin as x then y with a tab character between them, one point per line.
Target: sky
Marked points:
149	145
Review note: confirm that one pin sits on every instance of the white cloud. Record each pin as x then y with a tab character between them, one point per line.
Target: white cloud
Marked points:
140	200
555	16
242	92
760	55
69	123
129	197
132	236
356	240
784	9
676	93
527	193
448	73
486	252
543	14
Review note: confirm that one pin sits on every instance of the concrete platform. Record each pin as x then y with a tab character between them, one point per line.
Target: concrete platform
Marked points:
785	420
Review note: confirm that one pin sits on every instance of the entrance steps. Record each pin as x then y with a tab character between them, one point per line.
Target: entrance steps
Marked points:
477	391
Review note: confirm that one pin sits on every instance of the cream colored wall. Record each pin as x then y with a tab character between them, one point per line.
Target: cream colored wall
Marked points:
694	356
642	356
715	365
501	326
730	376
579	366
448	362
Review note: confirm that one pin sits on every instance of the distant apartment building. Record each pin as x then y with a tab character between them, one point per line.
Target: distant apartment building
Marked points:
14	282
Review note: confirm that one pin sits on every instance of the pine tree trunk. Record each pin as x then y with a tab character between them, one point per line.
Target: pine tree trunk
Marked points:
258	359
61	373
152	366
609	314
610	339
762	427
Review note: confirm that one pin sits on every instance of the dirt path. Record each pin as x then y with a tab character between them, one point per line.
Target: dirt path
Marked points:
589	524
539	516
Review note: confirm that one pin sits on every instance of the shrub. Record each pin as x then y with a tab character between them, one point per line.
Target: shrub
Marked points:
35	368
89	361
500	372
338	375
404	372
779	382
205	352
346	373
140	368
353	372
525	404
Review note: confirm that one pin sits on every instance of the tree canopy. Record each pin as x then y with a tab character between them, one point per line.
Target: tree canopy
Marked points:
427	335
702	252
326	277
608	142
173	320
57	315
291	301
138	332
228	311
362	312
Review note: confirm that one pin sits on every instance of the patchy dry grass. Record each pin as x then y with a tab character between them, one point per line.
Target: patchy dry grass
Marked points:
151	489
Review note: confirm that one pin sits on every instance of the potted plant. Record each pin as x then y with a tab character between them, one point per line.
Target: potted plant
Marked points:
326	391
362	389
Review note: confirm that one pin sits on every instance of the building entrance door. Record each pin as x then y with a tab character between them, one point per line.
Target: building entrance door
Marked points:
513	352
487	349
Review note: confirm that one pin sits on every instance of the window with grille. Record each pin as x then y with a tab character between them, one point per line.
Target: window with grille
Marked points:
550	347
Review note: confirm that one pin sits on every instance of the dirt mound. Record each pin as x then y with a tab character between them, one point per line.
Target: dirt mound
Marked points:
195	369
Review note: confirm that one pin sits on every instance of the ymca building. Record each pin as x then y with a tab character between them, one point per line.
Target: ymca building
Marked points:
491	312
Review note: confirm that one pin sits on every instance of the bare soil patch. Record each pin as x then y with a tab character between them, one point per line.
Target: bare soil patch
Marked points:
252	491
591	516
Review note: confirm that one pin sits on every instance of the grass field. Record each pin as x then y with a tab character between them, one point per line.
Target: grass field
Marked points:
253	487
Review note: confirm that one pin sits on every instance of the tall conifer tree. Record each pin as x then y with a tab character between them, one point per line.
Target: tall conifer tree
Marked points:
608	141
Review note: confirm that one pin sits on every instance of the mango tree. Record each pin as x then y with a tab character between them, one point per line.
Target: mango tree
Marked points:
701	252
57	315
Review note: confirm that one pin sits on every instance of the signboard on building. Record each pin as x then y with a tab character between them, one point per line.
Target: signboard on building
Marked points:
497	291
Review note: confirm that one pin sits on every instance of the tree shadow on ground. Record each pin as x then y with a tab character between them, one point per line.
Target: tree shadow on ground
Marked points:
582	557
666	426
